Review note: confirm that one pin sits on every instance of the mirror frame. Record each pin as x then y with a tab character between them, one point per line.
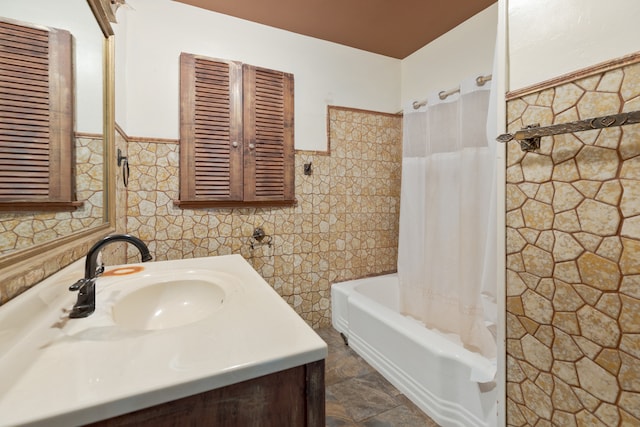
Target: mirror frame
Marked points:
17	268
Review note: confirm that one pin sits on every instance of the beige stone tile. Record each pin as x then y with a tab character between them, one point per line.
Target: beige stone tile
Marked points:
598	327
630	200
631	403
630	314
566	247
611	81
515	285
536	307
564	419
599	272
514	415
566	171
530	235
598	218
629	146
594	104
631	168
610	304
588	241
610	360
611	248
630	260
630	80
545	335
565	349
631	286
536	353
609	137
546	288
537	400
565	371
585	418
537	215
587	187
597	163
538	261
566	221
597	381
564	399
537	168
567	322
566	96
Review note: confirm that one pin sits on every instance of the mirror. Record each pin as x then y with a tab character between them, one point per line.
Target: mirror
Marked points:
34	245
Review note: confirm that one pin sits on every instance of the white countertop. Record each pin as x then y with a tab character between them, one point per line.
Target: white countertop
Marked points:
57	371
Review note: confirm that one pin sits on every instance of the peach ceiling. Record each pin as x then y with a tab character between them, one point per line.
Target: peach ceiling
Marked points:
394	28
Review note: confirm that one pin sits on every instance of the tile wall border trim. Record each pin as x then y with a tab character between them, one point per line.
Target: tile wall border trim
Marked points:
361	110
89	135
573	76
144	138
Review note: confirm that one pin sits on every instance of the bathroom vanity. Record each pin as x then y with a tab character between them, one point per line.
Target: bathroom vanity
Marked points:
202	341
293	397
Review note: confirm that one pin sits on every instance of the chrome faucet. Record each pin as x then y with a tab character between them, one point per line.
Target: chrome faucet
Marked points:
86	287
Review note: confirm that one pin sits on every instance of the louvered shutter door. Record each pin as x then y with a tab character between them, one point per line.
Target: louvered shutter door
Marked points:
36	128
268	132
210	133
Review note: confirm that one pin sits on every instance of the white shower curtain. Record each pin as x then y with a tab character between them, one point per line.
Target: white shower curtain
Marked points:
446	254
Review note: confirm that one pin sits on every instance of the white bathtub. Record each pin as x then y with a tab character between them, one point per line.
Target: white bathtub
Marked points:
453	385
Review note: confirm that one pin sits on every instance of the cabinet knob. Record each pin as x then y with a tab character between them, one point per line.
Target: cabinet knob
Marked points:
234	144
252	146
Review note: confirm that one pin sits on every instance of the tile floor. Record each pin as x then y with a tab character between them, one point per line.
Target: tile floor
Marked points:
358	396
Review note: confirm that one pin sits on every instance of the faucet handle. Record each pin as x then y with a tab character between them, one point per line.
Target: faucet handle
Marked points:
78	285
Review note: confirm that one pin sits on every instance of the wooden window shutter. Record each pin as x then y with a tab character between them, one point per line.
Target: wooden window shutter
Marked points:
36	118
268	134
210	132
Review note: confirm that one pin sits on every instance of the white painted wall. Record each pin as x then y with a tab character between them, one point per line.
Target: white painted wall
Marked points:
325	73
458	54
549	38
74	16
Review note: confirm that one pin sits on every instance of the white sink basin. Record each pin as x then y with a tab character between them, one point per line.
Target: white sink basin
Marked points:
168	304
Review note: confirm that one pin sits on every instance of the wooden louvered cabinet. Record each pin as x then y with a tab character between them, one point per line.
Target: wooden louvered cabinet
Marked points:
210	129
236	134
268	134
36	118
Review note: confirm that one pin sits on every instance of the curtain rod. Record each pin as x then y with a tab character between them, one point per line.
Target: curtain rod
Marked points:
529	136
480	81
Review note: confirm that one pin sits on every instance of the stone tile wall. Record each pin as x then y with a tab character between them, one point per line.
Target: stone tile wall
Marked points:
573	259
344	226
